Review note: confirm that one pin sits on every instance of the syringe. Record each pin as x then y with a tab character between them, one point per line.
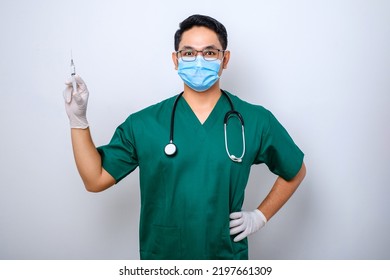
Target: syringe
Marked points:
73	73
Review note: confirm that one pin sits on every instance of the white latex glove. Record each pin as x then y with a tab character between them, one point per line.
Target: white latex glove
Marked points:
246	223
76	103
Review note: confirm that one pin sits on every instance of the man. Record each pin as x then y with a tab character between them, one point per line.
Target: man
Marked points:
192	190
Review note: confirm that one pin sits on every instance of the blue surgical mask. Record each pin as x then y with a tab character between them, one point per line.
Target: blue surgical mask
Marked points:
200	74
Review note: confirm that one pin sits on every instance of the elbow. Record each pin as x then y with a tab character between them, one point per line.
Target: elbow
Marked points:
303	170
99	183
91	188
301	174
94	187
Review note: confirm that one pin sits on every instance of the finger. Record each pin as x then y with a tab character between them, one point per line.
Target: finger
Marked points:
235	223
78	98
67	93
240	237
235	215
237	229
78	79
80	82
68	82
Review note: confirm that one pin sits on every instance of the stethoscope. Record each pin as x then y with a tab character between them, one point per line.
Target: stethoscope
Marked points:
171	149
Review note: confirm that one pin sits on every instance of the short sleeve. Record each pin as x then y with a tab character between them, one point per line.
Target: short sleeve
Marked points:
278	150
119	157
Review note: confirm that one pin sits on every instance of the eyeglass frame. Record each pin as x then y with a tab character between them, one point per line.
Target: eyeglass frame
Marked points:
200	51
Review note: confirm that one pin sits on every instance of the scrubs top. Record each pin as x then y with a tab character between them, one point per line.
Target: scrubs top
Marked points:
186	199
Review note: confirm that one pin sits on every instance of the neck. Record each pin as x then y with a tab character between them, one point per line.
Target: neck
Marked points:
202	103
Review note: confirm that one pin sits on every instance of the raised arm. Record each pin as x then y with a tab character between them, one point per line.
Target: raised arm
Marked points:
88	160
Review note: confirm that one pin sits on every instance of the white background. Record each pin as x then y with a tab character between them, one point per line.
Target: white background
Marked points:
322	67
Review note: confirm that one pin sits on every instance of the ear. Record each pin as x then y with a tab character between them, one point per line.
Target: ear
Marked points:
226	59
175	60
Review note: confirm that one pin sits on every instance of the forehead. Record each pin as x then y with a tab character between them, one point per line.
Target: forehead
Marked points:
199	37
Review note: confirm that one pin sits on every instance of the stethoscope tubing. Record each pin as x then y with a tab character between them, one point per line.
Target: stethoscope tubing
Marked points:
171	149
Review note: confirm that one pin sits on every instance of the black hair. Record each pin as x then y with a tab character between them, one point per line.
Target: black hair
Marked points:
205	21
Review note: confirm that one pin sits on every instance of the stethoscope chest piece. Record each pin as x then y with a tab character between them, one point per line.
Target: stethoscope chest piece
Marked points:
170	149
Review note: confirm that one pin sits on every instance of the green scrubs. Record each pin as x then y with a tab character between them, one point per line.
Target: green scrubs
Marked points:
186	199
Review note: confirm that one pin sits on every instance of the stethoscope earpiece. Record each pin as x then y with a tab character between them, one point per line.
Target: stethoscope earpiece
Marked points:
235	159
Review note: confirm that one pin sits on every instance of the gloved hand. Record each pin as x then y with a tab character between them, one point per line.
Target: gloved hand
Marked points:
76	103
246	223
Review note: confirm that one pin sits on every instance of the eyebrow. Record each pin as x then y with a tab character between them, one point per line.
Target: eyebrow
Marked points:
207	47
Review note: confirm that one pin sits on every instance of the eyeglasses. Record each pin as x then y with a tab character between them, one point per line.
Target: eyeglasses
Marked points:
208	54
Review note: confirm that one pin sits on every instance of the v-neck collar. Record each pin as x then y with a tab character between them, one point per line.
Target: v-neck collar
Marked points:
219	108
